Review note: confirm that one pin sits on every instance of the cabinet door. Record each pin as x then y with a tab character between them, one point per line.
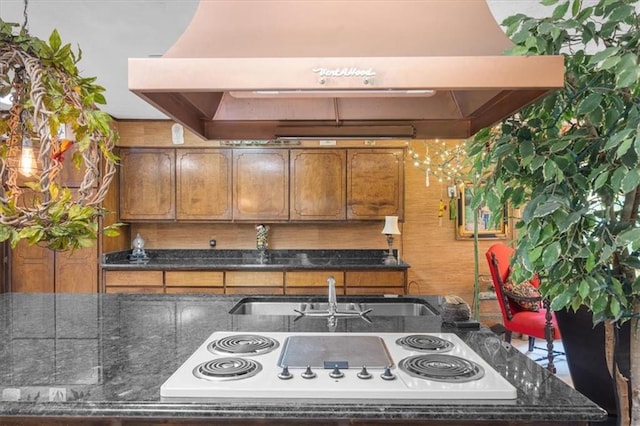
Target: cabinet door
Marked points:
318	183
203	184
77	271
147	184
32	269
375	183
261	184
247	282
375	282
312	282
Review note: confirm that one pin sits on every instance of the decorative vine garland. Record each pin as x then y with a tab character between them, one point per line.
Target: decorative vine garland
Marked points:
48	95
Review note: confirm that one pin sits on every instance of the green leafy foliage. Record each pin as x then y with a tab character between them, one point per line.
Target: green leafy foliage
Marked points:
575	175
70	101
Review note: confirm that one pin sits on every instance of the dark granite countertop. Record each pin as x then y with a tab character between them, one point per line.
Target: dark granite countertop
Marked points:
280	260
105	356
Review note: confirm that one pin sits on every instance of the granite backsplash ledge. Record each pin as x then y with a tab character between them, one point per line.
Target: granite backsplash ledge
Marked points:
298	258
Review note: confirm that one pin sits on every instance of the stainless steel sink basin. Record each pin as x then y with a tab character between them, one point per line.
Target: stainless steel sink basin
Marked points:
380	306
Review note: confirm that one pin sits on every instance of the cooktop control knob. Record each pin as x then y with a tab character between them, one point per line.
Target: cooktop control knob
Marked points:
364	374
387	374
308	374
285	374
336	373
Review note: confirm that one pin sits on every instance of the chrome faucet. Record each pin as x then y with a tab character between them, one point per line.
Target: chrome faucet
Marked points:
332	312
333	300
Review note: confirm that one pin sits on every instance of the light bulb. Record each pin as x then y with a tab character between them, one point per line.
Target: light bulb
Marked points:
27	160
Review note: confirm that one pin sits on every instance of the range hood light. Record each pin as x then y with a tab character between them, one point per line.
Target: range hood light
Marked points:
345	132
365	93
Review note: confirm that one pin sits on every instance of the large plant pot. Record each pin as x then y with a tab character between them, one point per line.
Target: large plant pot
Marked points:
584	346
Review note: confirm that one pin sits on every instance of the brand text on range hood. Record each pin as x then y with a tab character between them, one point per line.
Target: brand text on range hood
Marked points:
415	68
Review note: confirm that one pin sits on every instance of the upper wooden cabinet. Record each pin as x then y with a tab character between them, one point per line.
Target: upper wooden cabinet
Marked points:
270	185
261	184
375	183
203	184
318	184
147	184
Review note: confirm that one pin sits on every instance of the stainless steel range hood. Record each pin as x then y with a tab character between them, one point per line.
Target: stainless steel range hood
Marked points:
265	69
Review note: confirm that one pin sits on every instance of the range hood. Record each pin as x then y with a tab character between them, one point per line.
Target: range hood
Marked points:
268	69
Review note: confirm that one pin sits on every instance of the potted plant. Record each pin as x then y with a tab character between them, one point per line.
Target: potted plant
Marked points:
570	162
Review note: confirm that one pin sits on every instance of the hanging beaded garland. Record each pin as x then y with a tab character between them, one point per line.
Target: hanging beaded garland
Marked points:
47	99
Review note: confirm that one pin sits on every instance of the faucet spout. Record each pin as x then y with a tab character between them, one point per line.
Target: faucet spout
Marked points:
333	300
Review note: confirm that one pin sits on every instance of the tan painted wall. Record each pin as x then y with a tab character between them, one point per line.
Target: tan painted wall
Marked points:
440	264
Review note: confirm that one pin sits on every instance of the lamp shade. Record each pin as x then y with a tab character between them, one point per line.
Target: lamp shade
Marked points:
391	225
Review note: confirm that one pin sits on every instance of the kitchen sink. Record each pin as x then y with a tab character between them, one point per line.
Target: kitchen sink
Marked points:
379	306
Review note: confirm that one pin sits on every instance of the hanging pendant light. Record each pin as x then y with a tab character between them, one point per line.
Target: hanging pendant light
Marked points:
43	97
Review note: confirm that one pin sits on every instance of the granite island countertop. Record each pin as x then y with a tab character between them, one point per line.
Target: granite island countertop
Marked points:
280	260
102	358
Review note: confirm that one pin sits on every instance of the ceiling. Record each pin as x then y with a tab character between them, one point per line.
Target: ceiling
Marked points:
111	31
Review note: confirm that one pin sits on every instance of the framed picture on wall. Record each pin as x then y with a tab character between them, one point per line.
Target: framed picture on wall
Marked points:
487	228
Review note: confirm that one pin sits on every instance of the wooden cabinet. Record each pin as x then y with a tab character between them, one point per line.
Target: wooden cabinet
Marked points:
375	183
203	184
250	282
194	282
134	281
32	269
270	185
261	184
312	282
375	282
318	184
147	184
77	271
254	282
36	269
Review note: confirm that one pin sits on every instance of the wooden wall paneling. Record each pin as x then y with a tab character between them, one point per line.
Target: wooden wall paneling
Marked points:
111	203
440	264
361	235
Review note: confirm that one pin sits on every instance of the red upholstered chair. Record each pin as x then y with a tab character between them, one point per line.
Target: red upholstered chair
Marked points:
541	324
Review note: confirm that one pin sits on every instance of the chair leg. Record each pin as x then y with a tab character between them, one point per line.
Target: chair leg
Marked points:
532	342
549	332
507	336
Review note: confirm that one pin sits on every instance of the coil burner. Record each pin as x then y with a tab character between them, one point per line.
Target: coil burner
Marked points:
425	343
441	368
227	369
243	344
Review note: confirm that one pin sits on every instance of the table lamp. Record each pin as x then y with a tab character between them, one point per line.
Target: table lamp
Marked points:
390	229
